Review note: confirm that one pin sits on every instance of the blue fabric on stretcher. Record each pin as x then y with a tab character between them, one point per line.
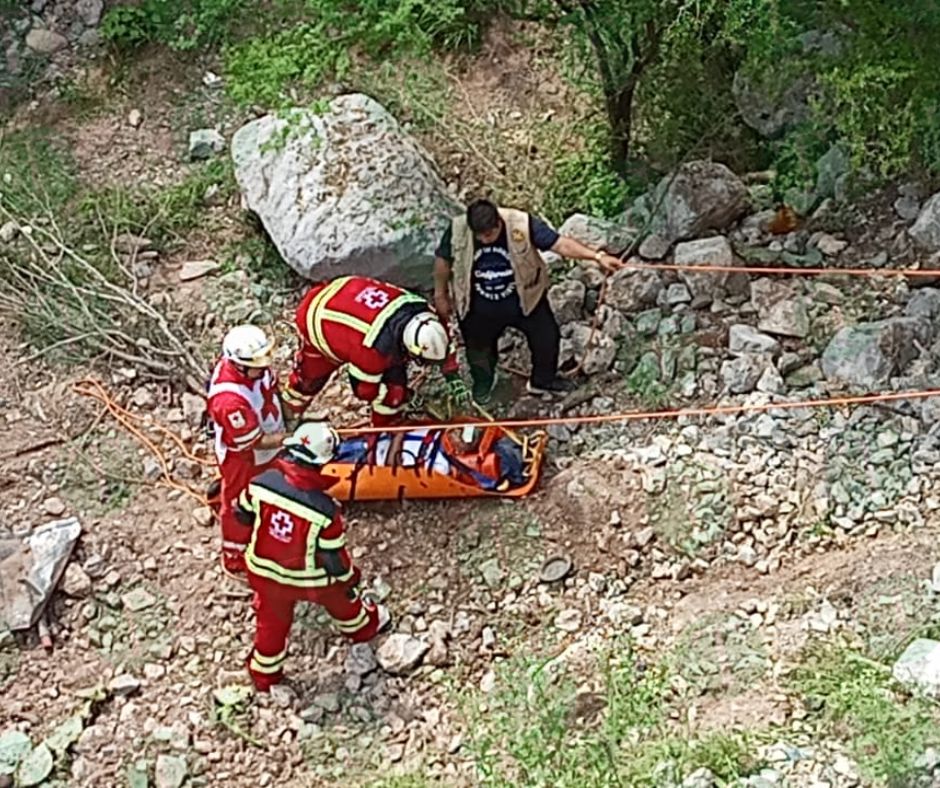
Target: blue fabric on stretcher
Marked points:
511	465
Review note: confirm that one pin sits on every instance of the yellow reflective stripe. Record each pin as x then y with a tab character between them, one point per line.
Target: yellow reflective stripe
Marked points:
343	319
314	320
275	574
363	376
245	501
351	625
382	317
275	571
261	664
264	495
262	659
332	544
379	406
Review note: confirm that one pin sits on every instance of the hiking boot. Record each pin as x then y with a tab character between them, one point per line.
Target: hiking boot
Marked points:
482	393
557	387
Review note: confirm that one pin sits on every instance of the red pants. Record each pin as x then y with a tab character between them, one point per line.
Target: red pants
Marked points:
274	612
311	372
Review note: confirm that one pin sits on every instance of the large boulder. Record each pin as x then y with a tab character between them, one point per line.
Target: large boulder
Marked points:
926	229
709	252
868	354
345	191
700	196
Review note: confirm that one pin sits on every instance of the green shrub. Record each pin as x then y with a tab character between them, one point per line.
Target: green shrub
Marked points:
326	37
179	24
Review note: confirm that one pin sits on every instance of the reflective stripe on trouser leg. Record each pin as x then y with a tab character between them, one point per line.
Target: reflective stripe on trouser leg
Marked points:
354	619
350	626
269	665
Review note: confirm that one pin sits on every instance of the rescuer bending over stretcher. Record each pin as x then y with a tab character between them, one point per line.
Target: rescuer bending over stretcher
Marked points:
374	329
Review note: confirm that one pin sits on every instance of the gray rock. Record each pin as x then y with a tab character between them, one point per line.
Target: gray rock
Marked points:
907	207
805	376
924	303
779	310
597	233
654	247
170	771
346	191
630	290
832	170
76	582
596	349
699	196
90	38
401	653
771	382
919	667
54	507
740	375
125	684
569	620
926	229
138	599
700	778
567	300
89	11
491	572
869	354
196	269
45	42
766	110
677	293
743	338
705	252
9	231
360	661
205	143
830	246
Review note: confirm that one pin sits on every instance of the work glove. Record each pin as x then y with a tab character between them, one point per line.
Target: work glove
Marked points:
457	392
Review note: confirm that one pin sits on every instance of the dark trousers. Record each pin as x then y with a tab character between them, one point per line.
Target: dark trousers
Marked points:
485	324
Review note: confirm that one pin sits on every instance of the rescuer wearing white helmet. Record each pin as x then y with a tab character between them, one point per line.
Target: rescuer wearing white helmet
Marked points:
373	329
298	552
248	426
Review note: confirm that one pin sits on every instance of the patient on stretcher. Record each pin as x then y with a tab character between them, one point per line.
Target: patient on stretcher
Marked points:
472	455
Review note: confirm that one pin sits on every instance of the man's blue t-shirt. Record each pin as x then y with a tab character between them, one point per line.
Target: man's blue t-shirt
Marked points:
493	279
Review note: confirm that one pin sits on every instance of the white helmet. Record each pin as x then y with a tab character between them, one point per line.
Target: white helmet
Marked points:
248	346
425	337
313	443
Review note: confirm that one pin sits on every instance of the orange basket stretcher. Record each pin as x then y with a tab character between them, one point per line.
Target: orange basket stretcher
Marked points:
442	471
385	470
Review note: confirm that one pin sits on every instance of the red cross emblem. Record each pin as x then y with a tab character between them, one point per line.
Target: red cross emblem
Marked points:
269	407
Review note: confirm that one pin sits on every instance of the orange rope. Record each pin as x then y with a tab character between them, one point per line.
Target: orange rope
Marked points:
707	268
712	410
94	389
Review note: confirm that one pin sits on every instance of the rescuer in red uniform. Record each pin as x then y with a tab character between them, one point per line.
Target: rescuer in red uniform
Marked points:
373	328
298	552
248	427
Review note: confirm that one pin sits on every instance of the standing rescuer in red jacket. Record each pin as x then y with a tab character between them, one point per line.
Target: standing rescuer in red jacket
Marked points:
374	329
298	552
248	427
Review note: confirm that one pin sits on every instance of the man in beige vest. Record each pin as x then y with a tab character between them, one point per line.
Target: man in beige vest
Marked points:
489	270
